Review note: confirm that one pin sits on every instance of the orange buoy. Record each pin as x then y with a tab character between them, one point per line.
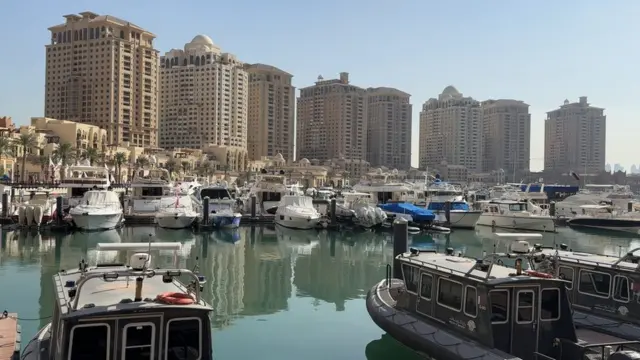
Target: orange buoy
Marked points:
175	298
538	274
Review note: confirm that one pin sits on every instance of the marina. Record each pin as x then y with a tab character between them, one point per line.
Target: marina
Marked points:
277	286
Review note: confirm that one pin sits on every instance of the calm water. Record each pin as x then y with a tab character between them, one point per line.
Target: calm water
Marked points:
277	294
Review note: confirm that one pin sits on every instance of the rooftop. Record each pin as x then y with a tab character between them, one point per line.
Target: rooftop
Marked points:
590	259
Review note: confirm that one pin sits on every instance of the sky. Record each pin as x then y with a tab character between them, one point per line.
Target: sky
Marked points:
541	52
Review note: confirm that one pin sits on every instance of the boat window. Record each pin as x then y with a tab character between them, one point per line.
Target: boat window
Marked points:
594	283
566	273
525	301
470	301
549	304
426	284
411	277
450	294
78	192
621	288
152	191
90	342
499	306
517	207
214	193
184	339
138	341
271	196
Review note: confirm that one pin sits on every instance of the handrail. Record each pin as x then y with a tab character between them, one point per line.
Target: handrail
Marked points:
444	269
134	273
615	264
388	275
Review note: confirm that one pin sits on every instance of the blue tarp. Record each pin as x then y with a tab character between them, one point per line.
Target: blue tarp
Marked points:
460	206
417	213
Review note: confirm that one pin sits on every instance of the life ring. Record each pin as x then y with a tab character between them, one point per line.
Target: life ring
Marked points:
175	298
538	274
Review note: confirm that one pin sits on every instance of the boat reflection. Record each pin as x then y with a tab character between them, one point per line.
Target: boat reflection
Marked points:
300	241
387	348
231	236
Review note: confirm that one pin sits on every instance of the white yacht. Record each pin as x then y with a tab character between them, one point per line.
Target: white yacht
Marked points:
149	187
518	215
606	217
222	205
83	177
297	212
460	214
179	215
98	210
618	196
268	190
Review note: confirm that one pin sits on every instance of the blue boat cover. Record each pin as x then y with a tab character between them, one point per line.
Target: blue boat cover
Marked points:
456	205
417	213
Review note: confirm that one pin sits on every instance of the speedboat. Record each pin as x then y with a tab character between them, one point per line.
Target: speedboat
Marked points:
177	216
98	210
222	205
225	219
297	212
605	217
515	215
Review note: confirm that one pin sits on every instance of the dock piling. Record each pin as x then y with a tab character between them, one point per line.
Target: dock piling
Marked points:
5	205
13	195
332	211
400	244
205	210
253	206
447	212
630	206
58	210
552	209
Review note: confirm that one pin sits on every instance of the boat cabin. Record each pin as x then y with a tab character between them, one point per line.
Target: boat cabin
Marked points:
80	179
148	187
498	307
117	311
505	206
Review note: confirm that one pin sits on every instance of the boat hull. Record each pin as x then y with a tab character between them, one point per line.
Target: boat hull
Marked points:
225	221
531	223
175	221
461	219
623	225
97	221
295	222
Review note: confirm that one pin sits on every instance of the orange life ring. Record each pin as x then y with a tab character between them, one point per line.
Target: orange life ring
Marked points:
538	274
175	298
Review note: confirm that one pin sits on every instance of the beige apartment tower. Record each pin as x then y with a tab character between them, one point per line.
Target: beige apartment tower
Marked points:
103	71
575	138
203	97
389	128
507	135
271	112
332	120
451	132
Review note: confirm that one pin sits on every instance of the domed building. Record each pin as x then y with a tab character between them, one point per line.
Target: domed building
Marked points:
190	99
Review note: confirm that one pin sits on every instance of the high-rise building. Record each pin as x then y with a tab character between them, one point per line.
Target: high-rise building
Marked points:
103	71
203	97
332	120
389	128
506	127
575	138
451	131
271	112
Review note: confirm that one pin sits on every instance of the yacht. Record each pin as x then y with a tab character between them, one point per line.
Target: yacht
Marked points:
83	177
222	206
606	217
133	311
98	210
361	208
438	194
179	215
149	187
516	215
268	190
297	212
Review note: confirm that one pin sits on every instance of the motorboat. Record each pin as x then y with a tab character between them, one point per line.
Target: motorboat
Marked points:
617	196
605	217
149	187
440	194
138	310
361	209
179	215
449	307
268	191
515	215
297	212
83	177
225	219
98	210
222	206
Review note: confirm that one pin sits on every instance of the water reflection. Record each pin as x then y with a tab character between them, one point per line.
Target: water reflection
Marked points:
387	348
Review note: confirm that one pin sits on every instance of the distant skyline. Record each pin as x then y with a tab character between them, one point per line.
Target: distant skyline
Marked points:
539	52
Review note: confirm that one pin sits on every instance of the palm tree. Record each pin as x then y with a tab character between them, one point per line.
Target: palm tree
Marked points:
26	141
92	154
5	146
142	161
65	154
171	165
205	169
185	166
119	159
43	162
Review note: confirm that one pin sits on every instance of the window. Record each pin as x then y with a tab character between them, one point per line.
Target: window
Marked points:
594	283
550	304
470	301
499	306
450	294
90	342
411	278
525	301
184	339
620	288
138	341
426	284
566	273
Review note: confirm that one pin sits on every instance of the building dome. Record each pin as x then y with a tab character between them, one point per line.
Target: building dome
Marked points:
305	161
450	90
201	42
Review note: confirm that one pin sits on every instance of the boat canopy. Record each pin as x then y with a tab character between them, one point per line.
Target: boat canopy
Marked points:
455	205
97	197
417	213
297	200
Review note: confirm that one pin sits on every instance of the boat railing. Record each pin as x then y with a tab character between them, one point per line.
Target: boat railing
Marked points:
571	350
479	265
597	263
388	275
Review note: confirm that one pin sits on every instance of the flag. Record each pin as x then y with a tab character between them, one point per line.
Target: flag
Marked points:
575	176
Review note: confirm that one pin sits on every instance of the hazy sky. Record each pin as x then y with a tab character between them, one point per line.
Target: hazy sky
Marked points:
542	52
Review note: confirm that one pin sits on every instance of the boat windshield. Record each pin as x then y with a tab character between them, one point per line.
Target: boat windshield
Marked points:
213	193
518	207
184	339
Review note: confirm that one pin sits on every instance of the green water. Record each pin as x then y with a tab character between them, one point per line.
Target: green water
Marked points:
277	294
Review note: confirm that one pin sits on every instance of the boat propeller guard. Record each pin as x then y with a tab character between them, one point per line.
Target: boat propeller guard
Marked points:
175	298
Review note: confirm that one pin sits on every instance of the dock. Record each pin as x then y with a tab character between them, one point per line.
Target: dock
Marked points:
140	219
9	337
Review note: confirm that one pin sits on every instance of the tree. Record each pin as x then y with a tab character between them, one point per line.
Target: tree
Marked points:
186	166
171	166
205	169
65	154
142	162
43	162
92	154
26	141
5	146
118	160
